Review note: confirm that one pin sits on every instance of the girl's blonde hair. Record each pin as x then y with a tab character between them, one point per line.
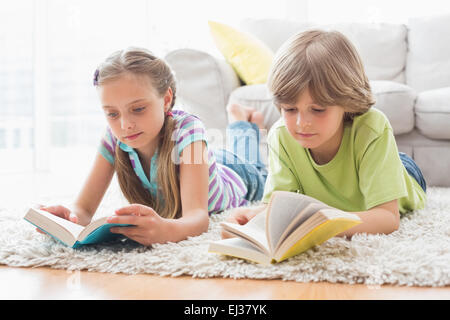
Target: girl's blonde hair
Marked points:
141	62
328	65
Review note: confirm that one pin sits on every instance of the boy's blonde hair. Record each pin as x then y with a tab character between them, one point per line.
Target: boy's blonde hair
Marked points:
326	63
141	62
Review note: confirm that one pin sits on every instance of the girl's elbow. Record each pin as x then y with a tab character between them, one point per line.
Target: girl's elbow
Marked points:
205	224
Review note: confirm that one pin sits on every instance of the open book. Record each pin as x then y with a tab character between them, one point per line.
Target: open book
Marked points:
69	233
291	224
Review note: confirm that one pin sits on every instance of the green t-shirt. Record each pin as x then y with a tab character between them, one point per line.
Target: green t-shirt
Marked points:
365	172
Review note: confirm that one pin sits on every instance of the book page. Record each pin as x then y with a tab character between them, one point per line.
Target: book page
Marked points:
253	231
240	248
305	214
64	230
283	208
317	229
73	228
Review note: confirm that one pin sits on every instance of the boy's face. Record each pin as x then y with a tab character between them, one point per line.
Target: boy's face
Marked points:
134	110
315	127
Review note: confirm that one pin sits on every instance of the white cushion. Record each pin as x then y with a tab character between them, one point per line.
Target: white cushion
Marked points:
273	32
428	60
433	113
382	46
203	85
257	96
396	100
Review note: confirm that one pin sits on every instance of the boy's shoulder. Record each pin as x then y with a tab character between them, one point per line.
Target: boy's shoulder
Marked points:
373	120
277	127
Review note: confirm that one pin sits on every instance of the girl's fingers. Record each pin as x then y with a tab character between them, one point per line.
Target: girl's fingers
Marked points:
59	211
125	219
136	209
129	232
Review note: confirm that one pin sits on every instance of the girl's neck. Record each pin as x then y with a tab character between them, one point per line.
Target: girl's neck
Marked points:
146	153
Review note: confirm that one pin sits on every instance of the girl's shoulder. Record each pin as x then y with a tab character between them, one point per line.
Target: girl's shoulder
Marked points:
184	120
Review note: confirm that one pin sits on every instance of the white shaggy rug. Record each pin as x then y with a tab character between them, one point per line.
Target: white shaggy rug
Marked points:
418	254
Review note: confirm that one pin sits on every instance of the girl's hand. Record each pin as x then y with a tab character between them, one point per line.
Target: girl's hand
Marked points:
239	216
59	211
148	227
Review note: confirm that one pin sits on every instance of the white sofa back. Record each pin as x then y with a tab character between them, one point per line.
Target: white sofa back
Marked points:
382	46
428	61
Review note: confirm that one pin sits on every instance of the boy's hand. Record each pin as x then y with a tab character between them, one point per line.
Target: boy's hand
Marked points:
240	216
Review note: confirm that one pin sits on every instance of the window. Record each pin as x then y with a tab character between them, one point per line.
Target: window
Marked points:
16	86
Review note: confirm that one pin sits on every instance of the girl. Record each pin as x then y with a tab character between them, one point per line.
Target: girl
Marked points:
329	144
161	157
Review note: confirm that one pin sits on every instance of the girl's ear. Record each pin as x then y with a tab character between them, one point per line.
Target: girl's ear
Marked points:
168	97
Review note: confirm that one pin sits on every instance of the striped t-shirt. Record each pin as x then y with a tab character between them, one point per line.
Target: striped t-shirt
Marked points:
226	188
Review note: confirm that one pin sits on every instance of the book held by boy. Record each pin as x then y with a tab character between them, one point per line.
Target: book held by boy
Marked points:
69	233
291	224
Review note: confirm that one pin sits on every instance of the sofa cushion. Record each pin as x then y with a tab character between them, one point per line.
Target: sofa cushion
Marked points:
203	85
396	101
433	113
257	96
249	56
428	59
382	46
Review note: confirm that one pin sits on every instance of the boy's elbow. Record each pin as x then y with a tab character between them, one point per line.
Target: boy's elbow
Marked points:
395	222
396	214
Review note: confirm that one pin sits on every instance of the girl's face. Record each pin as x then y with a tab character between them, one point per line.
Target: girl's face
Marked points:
315	127
134	110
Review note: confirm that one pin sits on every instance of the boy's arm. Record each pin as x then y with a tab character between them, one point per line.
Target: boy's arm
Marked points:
384	218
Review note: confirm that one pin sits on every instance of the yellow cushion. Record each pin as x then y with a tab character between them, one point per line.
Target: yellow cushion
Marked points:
249	56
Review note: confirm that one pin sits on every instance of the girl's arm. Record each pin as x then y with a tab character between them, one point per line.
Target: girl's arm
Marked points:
150	228
93	190
194	188
384	218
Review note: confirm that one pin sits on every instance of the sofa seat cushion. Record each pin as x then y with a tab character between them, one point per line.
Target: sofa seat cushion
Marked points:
396	101
433	113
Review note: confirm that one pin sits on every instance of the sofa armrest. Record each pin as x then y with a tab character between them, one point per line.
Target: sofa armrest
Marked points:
204	84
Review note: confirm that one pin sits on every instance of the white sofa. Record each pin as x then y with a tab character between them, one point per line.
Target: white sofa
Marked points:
408	67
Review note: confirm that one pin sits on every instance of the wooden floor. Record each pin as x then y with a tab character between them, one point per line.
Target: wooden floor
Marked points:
45	283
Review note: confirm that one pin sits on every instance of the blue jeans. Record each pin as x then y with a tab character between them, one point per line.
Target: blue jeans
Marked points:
242	155
413	170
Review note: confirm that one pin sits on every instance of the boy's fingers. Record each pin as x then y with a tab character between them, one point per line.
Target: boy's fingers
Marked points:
226	234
